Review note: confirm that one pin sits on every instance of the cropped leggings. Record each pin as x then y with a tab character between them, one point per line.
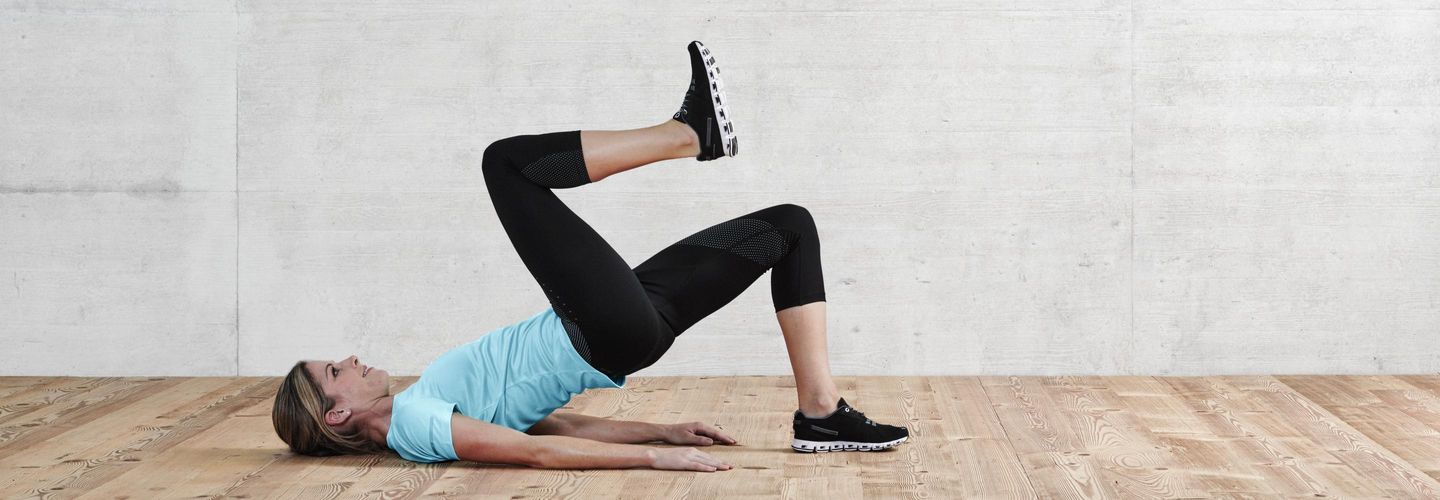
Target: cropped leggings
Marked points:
621	319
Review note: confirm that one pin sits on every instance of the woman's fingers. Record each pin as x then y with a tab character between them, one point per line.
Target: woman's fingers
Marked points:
686	459
711	460
702	465
711	431
720	436
712	468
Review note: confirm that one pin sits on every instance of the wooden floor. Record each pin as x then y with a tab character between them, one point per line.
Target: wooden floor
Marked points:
998	437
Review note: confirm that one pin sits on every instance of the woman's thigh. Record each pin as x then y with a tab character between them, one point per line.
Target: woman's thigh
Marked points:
696	276
592	289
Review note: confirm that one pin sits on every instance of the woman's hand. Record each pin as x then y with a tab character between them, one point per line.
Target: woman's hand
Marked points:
695	433
684	459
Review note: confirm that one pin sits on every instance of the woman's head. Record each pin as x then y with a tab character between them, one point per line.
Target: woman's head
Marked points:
318	405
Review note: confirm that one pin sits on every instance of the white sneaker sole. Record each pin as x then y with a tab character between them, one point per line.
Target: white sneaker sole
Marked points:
828	446
717	97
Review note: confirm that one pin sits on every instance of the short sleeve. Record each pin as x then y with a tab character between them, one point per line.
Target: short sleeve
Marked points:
420	429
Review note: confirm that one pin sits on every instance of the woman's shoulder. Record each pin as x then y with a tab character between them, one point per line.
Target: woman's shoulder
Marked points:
420	428
414	403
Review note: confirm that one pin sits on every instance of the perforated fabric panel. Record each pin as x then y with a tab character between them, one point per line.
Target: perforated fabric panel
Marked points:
766	248
727	234
565	169
753	239
576	338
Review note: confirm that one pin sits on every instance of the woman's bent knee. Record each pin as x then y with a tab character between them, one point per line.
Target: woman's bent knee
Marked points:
793	217
498	156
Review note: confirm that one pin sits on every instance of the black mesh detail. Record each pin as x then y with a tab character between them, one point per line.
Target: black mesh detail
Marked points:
726	234
565	169
766	248
577	339
754	239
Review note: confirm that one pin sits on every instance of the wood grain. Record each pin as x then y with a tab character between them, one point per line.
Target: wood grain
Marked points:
971	437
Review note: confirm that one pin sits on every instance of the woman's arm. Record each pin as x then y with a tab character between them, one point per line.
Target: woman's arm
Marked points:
480	441
598	429
620	431
486	442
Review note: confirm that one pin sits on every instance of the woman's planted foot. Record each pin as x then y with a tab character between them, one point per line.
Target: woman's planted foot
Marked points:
844	430
705	107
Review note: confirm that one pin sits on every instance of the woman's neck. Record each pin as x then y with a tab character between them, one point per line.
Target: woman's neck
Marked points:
374	422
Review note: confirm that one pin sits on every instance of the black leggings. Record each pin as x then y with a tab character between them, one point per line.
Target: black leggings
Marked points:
621	319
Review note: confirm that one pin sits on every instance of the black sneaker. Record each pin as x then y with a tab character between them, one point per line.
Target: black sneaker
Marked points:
845	430
704	107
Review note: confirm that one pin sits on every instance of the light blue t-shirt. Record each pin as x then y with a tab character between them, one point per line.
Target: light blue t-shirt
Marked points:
512	376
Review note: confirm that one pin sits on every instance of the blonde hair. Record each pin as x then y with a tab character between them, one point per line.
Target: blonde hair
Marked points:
299	418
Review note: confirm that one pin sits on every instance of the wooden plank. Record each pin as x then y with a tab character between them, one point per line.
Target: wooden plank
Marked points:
372	476
1131	459
23	382
1211	464
981	454
904	471
14	385
1218	466
1337	441
91	453
765	424
1423	448
148	439
1387	470
1261	444
693	398
231	437
67	410
39	396
709	399
1054	457
829	487
1156	405
984	437
1396	415
1430	383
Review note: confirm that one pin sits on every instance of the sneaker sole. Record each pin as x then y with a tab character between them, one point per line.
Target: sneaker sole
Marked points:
721	117
804	446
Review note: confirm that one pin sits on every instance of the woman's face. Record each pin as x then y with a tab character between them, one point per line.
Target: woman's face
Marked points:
348	381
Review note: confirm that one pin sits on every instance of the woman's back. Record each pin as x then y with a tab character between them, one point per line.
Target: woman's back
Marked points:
511	376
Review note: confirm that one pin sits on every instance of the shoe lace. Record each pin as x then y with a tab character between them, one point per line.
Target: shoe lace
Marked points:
858	413
685	104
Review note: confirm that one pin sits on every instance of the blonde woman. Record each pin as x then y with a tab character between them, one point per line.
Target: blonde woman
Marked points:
493	399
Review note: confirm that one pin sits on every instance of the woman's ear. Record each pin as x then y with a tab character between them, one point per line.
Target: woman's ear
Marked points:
337	416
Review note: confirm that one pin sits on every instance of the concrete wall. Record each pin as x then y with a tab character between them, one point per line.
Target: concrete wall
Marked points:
1034	187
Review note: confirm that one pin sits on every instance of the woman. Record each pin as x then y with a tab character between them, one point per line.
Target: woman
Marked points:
605	322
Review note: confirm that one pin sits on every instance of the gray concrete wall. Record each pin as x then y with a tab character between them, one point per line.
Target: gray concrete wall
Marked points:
1035	187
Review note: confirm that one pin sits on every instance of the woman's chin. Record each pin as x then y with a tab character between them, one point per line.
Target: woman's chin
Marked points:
384	379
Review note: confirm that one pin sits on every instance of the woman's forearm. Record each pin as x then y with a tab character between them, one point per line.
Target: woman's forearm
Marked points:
567	452
611	431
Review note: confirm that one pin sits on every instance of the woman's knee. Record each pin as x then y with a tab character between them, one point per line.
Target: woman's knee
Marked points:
552	160
793	217
498	156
